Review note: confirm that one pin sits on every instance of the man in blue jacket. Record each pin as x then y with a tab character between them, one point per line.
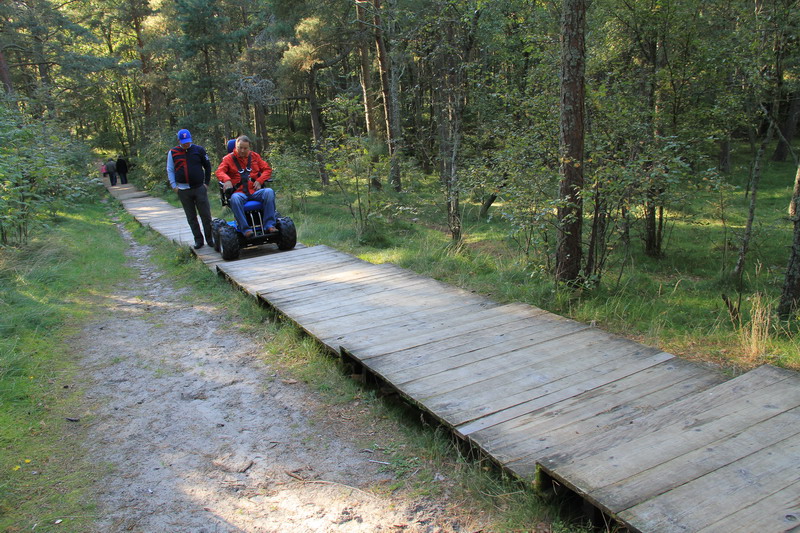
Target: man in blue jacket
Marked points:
189	172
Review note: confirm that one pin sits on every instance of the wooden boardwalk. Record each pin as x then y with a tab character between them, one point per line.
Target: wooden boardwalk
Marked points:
662	444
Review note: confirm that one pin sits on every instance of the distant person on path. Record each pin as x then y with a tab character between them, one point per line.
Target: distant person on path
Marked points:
111	168
122	170
189	172
246	173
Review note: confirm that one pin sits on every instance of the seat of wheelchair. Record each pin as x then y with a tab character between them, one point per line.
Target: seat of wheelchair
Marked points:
252	205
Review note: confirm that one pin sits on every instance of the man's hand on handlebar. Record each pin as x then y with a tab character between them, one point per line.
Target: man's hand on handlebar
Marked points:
227	185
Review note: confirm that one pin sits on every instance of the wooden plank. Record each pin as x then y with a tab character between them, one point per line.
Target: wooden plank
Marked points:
649	483
640	453
365	314
718	401
409	324
526	393
285	265
780	511
552	436
394	295
511	349
309	276
702	502
404	360
622	397
549	344
325	307
566	382
313	291
378	346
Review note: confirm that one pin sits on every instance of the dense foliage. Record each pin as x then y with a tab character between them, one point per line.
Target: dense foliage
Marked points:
353	97
41	172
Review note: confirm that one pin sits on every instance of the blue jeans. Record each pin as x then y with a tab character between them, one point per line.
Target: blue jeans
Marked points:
267	199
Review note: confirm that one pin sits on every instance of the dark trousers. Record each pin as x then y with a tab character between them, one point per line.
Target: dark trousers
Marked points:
112	177
195	202
123	178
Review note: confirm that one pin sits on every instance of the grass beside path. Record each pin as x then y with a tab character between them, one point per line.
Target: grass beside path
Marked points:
47	291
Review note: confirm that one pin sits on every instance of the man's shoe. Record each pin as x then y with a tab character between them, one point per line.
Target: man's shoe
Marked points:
272	229
247	234
198	245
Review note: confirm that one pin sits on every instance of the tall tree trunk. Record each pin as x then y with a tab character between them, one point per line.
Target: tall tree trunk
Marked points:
316	127
571	139
365	77
138	8
788	129
5	74
724	164
755	177
365	73
390	95
261	126
793	211
790	296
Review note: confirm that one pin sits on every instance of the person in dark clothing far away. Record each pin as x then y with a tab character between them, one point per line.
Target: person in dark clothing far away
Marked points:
122	170
111	168
189	173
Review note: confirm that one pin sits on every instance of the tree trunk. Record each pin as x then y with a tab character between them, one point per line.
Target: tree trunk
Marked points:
724	164
755	177
261	126
795	194
788	129
390	94
316	127
365	74
571	139
5	74
790	296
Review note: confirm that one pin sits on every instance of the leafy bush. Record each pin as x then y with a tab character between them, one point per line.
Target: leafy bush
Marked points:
42	170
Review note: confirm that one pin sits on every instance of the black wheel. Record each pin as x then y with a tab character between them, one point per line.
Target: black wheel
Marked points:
288	234
216	225
228	243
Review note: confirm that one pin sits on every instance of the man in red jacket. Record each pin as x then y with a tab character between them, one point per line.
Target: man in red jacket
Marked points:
246	173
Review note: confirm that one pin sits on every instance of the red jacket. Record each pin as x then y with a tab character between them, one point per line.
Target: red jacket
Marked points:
227	170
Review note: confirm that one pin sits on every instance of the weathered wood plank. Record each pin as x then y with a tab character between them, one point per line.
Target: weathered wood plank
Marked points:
566	382
413	358
548	344
323	290
780	511
305	289
651	482
623	397
521	455
673	440
702	502
459	325
719	401
515	348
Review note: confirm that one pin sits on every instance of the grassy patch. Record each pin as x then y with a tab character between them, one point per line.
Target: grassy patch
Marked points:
47	290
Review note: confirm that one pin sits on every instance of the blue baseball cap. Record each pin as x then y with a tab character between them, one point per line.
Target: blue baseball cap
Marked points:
231	145
184	137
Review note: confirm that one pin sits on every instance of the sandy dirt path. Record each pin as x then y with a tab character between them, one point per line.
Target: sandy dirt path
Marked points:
198	434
